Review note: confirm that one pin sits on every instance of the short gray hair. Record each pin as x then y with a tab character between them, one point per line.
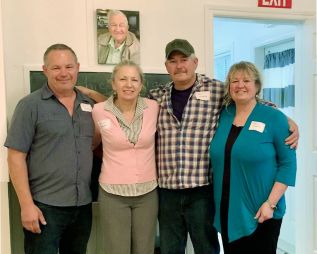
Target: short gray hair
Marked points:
117	12
192	56
58	46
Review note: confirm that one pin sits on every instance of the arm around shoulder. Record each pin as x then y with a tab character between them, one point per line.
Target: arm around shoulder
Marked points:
94	95
292	139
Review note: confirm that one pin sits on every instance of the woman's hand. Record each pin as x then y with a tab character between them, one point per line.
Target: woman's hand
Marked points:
264	213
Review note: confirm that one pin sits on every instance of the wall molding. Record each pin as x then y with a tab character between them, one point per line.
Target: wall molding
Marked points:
256	12
210	11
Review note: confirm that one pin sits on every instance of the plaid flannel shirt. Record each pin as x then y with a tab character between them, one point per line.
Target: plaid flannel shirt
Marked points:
182	147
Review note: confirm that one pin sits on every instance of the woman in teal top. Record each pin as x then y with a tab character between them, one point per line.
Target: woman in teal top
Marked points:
252	166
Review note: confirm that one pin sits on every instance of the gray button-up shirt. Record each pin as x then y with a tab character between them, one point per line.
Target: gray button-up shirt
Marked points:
58	147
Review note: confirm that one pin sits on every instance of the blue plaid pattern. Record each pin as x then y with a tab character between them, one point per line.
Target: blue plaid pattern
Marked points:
182	147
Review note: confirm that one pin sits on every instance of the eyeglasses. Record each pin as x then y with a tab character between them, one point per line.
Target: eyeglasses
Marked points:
121	25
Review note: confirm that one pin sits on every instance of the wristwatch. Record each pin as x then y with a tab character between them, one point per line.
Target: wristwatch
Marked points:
273	207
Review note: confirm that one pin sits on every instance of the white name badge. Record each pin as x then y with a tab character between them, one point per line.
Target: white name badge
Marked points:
204	96
104	124
85	107
257	126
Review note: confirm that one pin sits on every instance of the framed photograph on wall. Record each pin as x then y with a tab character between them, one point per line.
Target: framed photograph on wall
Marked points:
118	36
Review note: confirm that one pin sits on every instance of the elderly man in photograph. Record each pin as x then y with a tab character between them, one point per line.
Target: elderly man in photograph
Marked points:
118	43
50	159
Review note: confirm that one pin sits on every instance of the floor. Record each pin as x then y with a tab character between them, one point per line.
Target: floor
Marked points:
190	249
157	251
280	252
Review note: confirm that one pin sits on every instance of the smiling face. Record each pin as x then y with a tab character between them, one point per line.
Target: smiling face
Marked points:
182	69
127	84
61	69
118	27
243	88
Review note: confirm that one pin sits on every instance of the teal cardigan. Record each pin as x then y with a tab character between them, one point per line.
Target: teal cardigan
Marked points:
258	159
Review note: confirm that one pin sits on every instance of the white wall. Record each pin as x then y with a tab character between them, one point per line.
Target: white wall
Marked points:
4	208
235	33
31	26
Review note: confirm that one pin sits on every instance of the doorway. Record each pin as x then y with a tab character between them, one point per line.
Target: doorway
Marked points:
249	34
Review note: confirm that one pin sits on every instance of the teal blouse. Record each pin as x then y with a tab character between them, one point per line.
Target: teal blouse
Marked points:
259	158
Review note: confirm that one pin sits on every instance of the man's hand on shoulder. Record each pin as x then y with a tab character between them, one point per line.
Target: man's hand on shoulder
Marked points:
96	96
292	140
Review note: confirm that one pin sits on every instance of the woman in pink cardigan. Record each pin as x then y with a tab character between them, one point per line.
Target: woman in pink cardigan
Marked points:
128	199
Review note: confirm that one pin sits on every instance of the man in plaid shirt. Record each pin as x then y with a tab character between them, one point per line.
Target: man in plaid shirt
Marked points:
189	111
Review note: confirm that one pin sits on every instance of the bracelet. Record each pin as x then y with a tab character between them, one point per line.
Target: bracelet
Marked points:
272	206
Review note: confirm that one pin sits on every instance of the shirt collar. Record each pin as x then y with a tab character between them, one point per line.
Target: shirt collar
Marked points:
47	93
168	88
111	43
140	105
81	97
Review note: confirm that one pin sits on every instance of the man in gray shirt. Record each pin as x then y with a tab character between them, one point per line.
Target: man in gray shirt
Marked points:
50	159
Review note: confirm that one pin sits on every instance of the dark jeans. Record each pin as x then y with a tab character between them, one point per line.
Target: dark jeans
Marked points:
262	241
67	231
187	211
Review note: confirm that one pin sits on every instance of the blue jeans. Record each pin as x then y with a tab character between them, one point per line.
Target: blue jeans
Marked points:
67	231
187	211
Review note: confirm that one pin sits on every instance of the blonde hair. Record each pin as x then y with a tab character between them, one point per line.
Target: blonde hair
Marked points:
247	68
127	63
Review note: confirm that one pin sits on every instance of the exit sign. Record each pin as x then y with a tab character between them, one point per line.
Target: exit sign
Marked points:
275	3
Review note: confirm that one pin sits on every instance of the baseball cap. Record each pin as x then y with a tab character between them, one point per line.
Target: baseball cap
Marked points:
180	45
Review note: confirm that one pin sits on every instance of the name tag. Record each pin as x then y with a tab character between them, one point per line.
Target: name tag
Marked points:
204	96
104	124
85	107
257	126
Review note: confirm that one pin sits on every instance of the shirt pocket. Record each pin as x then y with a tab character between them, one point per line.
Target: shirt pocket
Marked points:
52	123
86	124
202	113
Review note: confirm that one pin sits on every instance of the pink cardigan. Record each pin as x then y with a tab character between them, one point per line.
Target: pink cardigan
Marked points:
124	162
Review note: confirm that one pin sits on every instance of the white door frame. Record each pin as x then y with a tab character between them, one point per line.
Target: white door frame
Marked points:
305	110
5	246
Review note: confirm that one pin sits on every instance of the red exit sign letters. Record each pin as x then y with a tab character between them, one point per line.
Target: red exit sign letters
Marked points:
275	3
